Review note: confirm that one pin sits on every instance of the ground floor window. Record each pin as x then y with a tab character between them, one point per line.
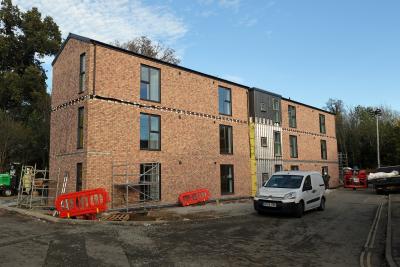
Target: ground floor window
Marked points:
227	180
150	181
78	177
294	168
278	168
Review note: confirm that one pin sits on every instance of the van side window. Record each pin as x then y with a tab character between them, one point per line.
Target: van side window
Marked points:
307	182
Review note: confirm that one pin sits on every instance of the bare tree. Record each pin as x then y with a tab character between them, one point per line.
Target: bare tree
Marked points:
144	46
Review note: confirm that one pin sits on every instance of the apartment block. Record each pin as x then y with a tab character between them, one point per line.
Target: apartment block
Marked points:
147	130
131	123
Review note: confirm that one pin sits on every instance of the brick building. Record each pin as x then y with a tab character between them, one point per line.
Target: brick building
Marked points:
134	124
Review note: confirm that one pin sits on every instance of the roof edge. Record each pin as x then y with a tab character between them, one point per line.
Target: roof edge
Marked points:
89	40
308	106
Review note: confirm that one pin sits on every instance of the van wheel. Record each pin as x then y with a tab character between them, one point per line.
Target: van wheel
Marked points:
299	210
322	204
7	192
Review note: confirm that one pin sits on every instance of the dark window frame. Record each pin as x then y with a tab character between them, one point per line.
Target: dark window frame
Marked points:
322	123
226	140
292	116
278	166
225	101
79	176
233	179
294	167
150	131
324	149
263	107
82	73
280	144
80	128
293	153
276	110
264	141
149	83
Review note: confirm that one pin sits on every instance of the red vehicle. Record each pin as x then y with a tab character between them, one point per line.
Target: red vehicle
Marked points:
355	179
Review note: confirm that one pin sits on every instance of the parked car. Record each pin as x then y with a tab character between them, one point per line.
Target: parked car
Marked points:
291	192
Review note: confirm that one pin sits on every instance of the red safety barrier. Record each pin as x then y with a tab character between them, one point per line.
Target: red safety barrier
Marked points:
355	180
83	203
193	197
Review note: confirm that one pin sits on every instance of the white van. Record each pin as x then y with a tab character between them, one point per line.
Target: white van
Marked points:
291	191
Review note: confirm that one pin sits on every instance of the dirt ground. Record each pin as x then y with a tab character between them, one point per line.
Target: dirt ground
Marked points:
334	237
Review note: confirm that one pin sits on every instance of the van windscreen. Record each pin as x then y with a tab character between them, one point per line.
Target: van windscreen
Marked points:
284	181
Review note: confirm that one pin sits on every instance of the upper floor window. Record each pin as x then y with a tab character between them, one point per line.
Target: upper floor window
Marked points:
292	116
150	132
277	144
293	146
81	114
225	139
276	108
82	72
149	83
323	150
264	142
225	101
263	107
322	127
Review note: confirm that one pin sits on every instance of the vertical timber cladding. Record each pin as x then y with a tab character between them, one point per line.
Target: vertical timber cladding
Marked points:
253	164
265	114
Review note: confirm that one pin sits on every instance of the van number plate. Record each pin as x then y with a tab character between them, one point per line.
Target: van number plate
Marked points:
269	204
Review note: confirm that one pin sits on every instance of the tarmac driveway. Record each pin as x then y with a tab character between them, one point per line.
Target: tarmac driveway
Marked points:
334	237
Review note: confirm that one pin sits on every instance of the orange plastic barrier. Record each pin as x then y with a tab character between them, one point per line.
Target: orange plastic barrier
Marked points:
83	203
193	197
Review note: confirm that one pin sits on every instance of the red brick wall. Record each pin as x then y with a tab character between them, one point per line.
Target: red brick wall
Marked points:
309	140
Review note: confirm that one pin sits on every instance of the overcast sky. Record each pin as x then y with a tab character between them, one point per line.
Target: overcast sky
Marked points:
308	50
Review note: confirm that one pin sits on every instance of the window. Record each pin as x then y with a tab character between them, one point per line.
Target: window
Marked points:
323	150
276	109
149	83
292	116
294	168
81	114
293	146
149	132
224	101
278	168
264	177
78	177
225	139
82	72
307	183
322	127
264	142
227	179
263	107
277	144
150	181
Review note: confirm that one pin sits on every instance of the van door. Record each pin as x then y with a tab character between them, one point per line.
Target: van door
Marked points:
307	192
316	181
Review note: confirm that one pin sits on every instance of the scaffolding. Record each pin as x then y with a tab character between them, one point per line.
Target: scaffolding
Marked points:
139	183
343	162
33	189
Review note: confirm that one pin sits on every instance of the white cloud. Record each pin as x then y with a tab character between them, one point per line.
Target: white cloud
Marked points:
231	4
248	22
110	20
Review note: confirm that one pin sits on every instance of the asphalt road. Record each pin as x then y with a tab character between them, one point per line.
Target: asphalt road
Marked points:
334	237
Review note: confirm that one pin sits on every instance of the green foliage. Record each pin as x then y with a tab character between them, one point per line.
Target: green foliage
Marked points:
25	39
356	134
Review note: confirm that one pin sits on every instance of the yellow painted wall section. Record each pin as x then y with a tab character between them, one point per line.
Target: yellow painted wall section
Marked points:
253	166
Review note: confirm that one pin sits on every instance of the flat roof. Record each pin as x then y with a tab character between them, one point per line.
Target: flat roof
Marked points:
89	40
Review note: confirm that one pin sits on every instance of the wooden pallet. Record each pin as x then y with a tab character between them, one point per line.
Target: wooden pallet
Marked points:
117	217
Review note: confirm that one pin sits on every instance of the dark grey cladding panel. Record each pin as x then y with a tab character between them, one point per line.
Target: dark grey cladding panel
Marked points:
261	103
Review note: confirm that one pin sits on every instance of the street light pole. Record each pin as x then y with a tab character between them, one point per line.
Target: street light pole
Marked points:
377	112
377	141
